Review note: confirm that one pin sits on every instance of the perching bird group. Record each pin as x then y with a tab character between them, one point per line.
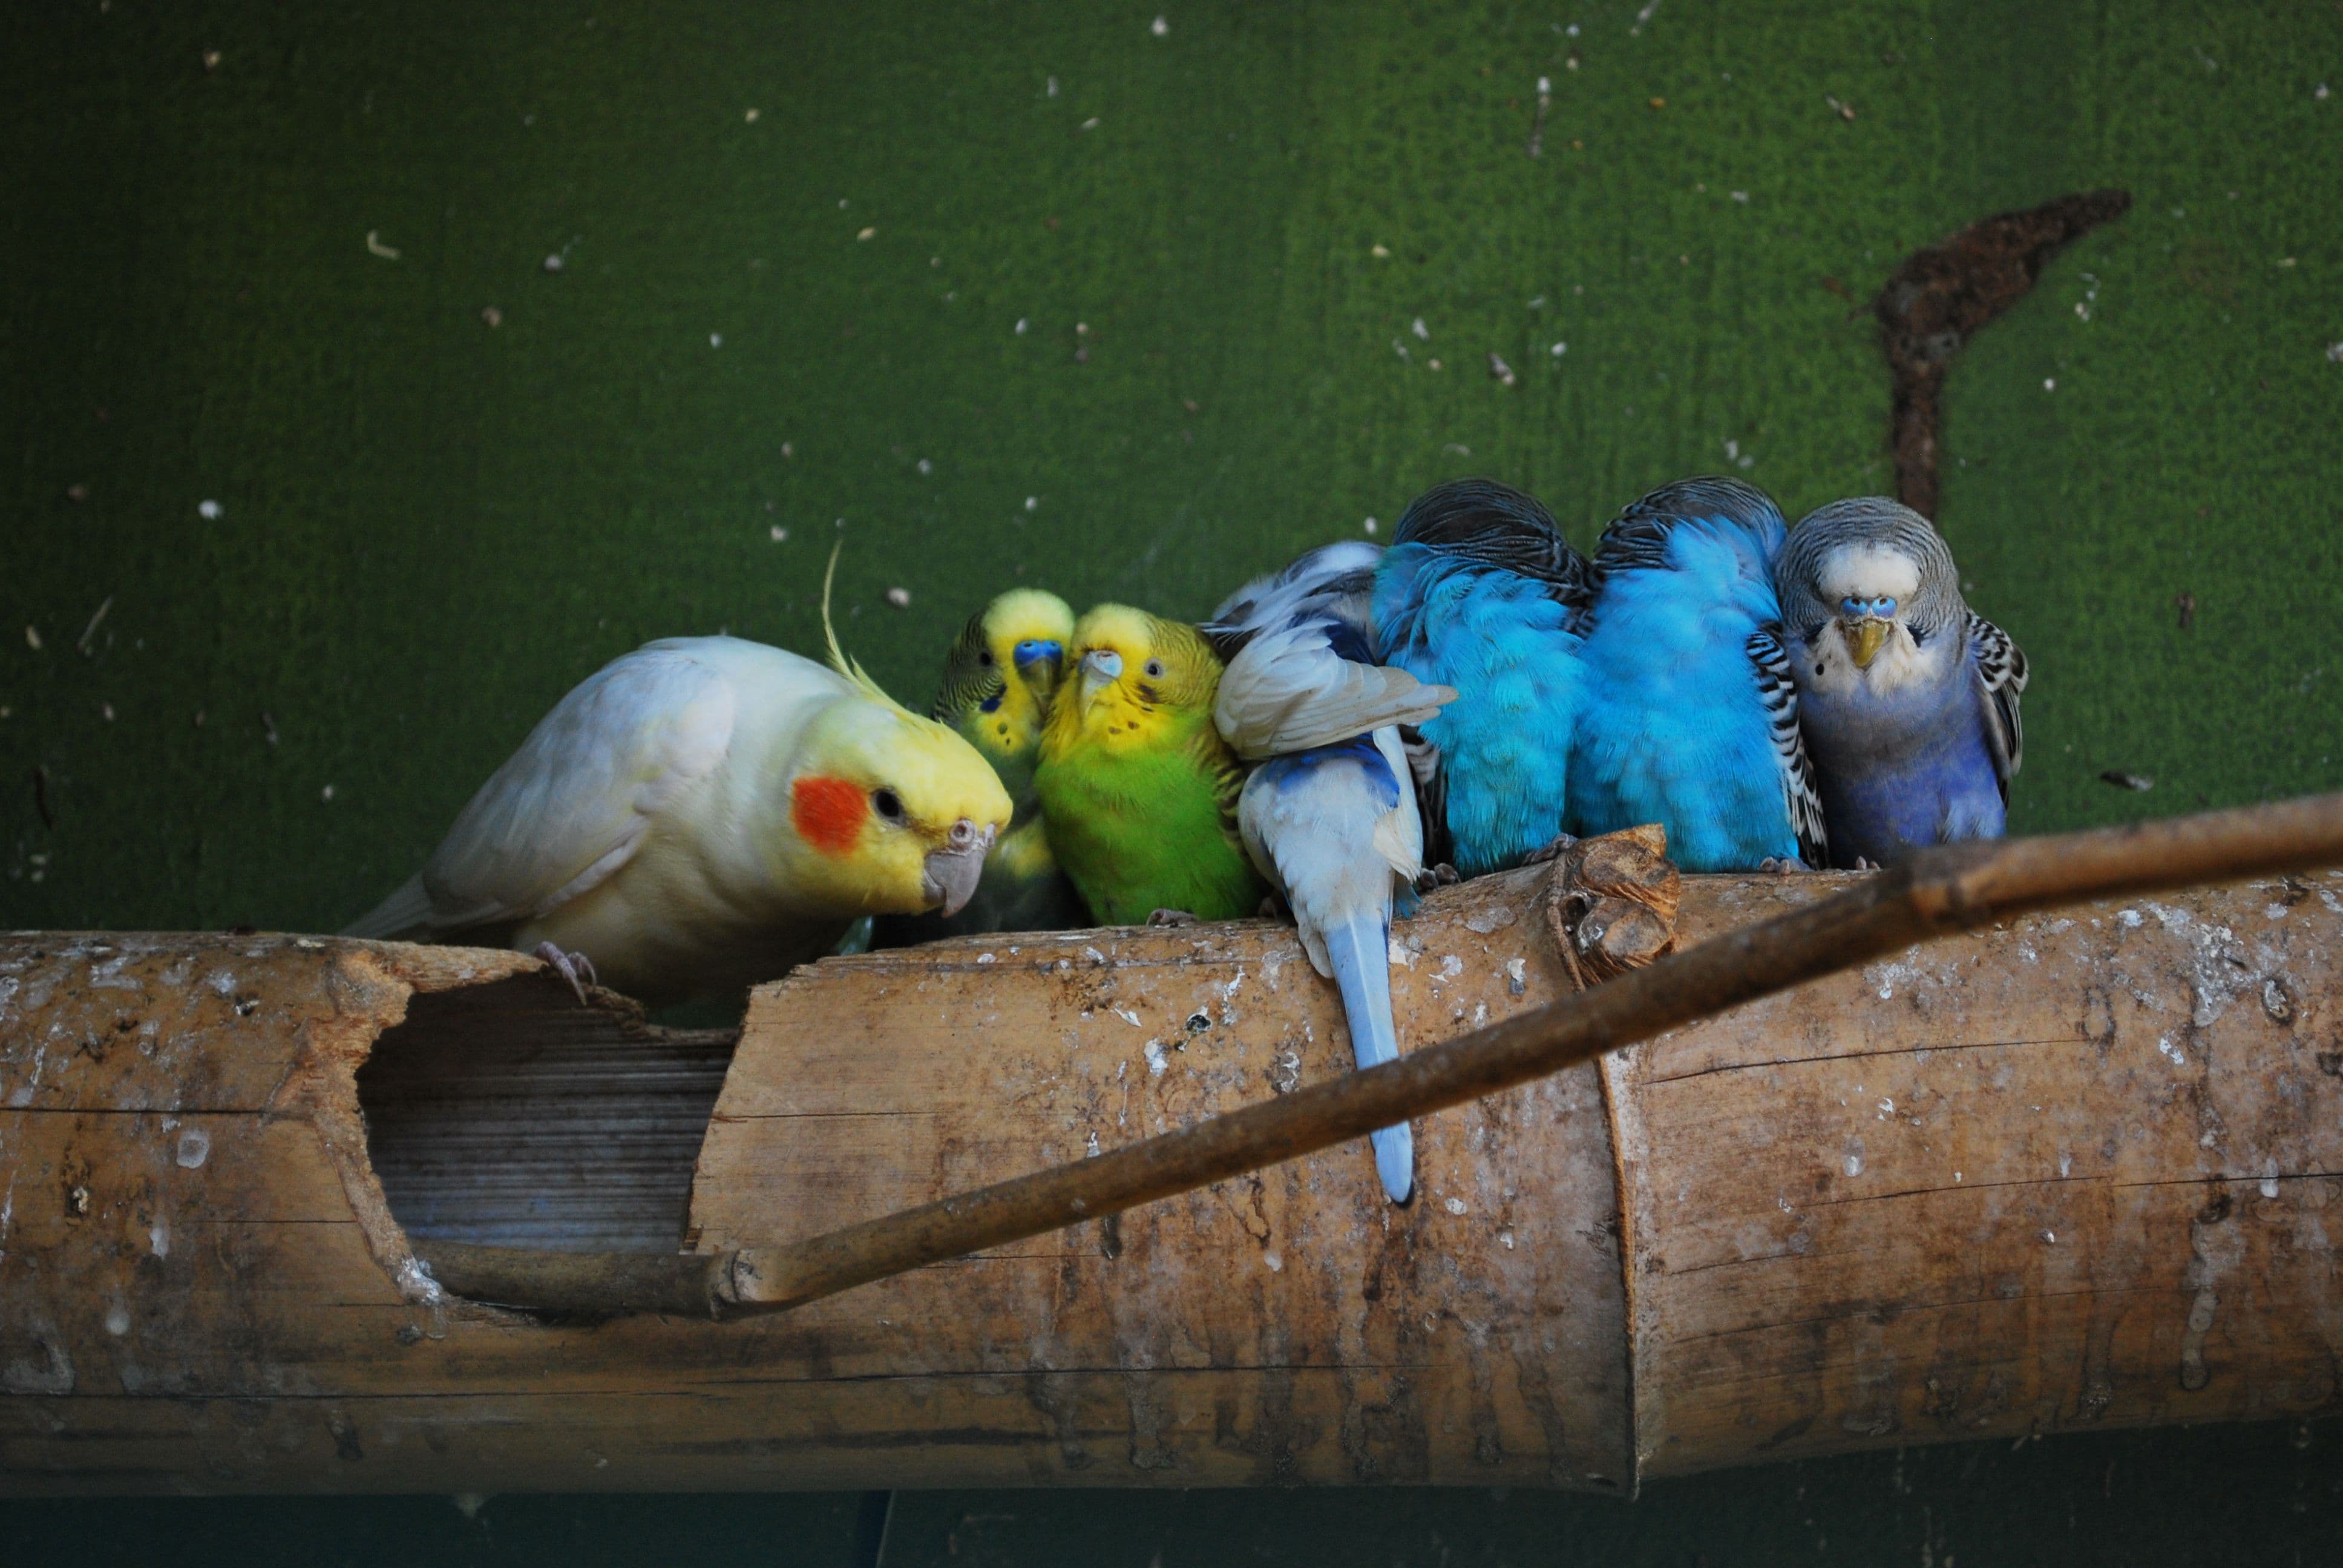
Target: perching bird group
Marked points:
705	813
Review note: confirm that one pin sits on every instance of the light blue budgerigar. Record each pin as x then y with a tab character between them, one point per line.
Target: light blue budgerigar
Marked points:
1691	718
1908	698
1329	814
1480	592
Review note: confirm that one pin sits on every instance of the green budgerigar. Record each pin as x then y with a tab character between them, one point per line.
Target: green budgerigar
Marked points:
998	684
1138	789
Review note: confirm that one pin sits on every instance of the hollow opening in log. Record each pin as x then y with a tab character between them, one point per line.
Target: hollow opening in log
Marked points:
506	1115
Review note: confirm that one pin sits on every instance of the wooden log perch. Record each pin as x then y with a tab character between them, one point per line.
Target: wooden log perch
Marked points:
2067	1169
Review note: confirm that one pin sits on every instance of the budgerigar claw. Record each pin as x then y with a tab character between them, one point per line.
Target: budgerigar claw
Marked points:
574	968
1862	863
1272	908
1442	875
1550	850
1170	918
1782	865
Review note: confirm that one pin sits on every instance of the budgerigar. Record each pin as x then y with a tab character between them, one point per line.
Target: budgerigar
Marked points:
1690	718
997	682
702	814
1329	816
1908	698
1480	593
1138	789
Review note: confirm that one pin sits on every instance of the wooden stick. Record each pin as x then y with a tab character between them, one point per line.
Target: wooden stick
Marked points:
1937	892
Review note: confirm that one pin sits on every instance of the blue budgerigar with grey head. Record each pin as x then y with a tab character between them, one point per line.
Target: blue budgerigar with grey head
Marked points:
1908	698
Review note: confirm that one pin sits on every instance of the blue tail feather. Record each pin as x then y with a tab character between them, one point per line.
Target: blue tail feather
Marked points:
1358	950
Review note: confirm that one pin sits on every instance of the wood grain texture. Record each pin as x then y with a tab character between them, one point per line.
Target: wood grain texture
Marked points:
2077	1171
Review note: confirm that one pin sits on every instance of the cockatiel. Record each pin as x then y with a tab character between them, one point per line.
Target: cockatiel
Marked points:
1480	593
1328	816
702	814
1907	698
997	682
1138	788
1690	718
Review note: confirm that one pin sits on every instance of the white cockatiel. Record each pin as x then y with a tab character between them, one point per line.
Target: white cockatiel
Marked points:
703	813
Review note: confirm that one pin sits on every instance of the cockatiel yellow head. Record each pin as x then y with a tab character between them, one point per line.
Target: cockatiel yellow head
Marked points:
1131	677
897	811
1000	676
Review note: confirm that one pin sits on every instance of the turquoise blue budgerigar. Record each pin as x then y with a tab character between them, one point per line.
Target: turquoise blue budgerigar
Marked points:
1329	813
1480	592
1907	698
1691	717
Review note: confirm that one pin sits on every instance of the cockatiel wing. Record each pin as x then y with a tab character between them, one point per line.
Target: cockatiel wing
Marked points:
575	803
2001	677
1298	687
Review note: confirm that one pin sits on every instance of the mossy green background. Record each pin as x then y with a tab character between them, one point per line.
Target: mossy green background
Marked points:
429	527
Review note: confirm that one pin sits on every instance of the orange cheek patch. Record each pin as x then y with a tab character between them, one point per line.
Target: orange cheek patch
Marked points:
827	812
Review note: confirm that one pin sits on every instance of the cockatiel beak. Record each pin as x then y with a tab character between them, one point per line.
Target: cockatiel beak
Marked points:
948	875
1864	638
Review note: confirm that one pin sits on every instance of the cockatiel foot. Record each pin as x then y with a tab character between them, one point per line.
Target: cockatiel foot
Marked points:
1552	851
1442	875
570	967
1170	918
1783	864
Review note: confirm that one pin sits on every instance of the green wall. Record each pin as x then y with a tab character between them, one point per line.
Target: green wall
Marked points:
428	527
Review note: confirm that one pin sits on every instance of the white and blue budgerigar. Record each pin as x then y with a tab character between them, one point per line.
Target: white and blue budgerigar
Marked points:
1907	698
1691	718
1329	814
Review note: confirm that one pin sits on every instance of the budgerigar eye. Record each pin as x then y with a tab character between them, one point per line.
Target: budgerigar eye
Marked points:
984	657
887	804
1155	668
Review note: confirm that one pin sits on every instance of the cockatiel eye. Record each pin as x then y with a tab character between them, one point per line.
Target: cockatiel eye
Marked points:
889	806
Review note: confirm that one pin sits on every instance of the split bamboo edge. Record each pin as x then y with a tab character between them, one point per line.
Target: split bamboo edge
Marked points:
1938	892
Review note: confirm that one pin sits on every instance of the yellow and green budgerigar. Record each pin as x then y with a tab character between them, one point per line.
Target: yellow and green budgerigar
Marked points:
1137	788
998	683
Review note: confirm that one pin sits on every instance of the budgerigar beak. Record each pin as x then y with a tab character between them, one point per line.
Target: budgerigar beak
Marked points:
948	876
1863	638
1040	661
1101	667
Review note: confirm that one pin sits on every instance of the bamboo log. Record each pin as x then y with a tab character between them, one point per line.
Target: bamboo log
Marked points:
2076	1170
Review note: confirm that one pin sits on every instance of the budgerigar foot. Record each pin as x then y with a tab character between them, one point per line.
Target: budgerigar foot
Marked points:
1272	908
1782	865
1551	850
574	968
1170	918
1862	863
1442	875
